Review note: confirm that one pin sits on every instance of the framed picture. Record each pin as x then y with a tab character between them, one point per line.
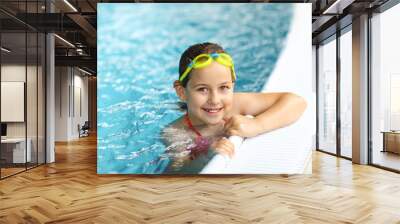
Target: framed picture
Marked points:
221	88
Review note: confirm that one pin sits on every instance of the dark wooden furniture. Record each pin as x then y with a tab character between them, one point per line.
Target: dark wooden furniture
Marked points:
391	141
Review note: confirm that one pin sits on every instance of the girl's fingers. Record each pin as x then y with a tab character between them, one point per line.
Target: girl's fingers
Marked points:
222	151
227	126
224	146
227	150
231	128
227	119
231	132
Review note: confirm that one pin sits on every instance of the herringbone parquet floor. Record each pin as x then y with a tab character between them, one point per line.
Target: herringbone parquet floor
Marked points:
70	191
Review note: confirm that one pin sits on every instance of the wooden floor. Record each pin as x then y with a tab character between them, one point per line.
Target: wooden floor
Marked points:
10	171
70	191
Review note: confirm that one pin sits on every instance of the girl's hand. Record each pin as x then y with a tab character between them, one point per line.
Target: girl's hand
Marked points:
243	126
224	146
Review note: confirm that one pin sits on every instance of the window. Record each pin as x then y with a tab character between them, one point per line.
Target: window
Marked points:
346	93
327	96
22	68
385	84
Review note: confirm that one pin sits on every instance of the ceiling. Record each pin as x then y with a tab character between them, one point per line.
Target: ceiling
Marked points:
76	22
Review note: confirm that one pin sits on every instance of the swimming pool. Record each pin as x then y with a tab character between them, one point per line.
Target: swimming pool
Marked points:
138	56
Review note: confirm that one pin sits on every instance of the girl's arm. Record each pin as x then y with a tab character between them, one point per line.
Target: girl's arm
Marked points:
271	111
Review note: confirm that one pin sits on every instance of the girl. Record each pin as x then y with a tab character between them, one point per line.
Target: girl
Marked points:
214	112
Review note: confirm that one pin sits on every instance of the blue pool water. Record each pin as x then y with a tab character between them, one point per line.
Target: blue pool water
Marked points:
139	47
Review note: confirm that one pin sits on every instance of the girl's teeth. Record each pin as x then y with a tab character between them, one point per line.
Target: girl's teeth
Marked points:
212	111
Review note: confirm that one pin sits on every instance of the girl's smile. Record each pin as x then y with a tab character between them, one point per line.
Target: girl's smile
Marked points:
213	111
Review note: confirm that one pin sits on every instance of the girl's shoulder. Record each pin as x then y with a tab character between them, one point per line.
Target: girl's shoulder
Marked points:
174	131
177	123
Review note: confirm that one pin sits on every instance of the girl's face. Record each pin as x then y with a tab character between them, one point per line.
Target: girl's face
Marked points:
209	94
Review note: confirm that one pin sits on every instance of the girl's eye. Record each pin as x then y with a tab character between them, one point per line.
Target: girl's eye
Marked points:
225	87
202	89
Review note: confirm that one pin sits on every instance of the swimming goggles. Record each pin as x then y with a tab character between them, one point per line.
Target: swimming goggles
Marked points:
204	60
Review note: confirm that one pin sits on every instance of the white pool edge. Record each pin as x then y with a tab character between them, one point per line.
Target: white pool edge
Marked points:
277	83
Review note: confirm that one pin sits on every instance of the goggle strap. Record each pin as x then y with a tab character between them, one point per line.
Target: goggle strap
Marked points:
214	55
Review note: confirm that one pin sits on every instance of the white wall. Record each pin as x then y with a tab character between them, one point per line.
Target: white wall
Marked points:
12	73
70	84
62	81
33	127
80	89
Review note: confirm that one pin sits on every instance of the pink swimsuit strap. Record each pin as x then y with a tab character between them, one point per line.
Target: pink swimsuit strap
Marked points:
189	123
201	143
